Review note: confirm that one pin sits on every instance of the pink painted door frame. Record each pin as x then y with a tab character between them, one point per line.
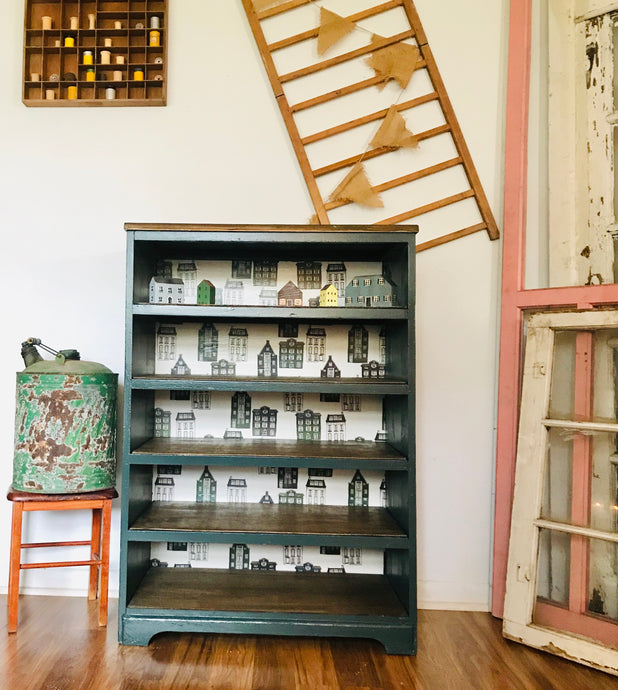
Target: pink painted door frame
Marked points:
515	298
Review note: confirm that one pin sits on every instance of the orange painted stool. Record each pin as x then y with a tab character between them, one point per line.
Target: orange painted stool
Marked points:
100	502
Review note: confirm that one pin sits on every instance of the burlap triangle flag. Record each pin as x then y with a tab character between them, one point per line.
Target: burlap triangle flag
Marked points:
394	62
355	187
332	28
393	132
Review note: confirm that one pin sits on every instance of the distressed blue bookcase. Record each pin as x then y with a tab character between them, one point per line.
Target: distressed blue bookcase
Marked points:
265	596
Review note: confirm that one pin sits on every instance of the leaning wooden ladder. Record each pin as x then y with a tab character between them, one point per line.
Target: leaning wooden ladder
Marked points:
436	93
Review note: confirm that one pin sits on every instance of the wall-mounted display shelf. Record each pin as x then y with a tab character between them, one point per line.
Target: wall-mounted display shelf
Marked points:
268	457
95	52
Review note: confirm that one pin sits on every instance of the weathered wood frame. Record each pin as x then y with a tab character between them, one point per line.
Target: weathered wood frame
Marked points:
439	94
524	618
516	299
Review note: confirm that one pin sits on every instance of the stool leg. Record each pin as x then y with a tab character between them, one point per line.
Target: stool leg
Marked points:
14	565
104	585
95	552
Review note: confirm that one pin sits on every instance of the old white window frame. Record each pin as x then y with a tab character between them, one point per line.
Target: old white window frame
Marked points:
527	521
582	117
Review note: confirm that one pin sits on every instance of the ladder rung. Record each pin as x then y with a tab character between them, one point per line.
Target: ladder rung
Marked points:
378	115
374	153
450	237
404	179
57	564
345	57
312	33
52	544
434	205
280	9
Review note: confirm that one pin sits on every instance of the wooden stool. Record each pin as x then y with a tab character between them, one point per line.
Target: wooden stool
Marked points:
100	502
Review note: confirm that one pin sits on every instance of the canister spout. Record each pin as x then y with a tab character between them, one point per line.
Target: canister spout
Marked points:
29	352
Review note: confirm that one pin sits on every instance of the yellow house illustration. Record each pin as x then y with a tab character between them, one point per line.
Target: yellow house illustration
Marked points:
328	296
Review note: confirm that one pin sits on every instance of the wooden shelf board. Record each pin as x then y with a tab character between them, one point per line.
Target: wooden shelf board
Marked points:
270	451
250	518
82	102
210	590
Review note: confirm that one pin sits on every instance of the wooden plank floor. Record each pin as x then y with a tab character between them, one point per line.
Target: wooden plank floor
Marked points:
58	646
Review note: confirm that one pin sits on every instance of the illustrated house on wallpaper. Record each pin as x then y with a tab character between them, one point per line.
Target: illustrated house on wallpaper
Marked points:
263	564
291	354
316	343
287	477
233	292
328	296
187	272
163	489
185	425
163	268
350	402
241	268
383	493
200	400
290	296
309	274
267	297
239	557
330	370
207	343
166	343
166	291
351	555
382	345
266	498
335	427
241	410
292	554
206	292
358	490
180	395
232	433
223	368
291	497
370	291
308	425
336	275
373	370
358	344
206	488
236	490
162	423
264	421
181	368
169	469
293	402
267	361
238	340
265	272
315	490
198	551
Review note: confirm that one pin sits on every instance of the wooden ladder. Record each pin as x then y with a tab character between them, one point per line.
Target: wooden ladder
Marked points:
472	189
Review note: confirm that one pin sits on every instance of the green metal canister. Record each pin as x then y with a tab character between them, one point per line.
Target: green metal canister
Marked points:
65	424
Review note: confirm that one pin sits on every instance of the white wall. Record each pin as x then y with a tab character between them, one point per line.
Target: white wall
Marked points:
70	178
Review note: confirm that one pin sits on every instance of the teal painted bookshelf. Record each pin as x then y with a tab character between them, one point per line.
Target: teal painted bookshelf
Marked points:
294	420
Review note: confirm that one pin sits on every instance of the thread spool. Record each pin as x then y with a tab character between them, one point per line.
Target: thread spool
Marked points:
120	59
74	23
50	94
155	38
35	76
46	23
117	75
91	22
117	24
154	22
88	58
110	94
90	75
57	43
139	25
106	57
71	92
54	76
69	42
138	74
107	42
